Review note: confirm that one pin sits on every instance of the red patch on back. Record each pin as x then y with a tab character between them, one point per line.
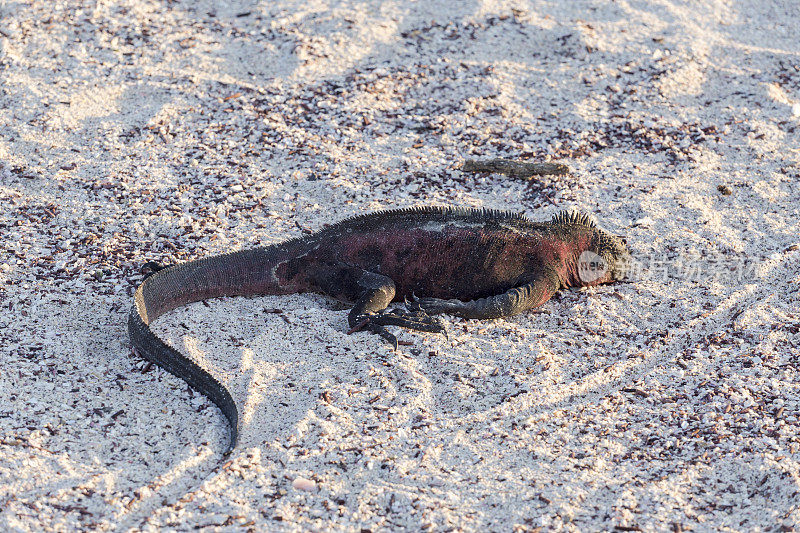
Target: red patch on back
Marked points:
464	262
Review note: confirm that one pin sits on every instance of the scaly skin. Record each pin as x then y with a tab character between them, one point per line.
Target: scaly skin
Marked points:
466	262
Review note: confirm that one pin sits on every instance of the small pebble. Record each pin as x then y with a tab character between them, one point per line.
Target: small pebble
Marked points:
304	484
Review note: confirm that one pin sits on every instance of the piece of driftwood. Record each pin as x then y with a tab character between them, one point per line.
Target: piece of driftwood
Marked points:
515	169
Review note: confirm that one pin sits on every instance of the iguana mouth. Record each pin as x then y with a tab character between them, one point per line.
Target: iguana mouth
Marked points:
620	266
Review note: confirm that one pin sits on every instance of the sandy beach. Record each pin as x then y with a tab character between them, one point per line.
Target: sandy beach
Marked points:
137	131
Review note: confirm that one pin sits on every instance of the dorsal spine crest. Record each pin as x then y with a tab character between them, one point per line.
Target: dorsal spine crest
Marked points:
573	218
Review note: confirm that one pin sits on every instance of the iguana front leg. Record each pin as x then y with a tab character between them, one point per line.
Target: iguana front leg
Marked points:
511	302
371	292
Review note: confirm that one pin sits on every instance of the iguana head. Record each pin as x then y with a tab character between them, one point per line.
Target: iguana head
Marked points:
614	251
602	257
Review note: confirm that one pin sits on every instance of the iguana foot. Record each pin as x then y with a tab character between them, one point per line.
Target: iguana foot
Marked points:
436	306
410	318
152	267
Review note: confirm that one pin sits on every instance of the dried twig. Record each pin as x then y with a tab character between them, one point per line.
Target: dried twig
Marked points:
515	169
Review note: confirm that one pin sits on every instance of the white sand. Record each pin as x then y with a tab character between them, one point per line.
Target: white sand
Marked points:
133	131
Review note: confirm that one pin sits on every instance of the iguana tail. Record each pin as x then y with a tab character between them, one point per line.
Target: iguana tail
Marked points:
245	273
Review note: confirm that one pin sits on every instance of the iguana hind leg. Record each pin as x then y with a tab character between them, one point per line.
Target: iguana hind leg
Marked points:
371	292
370	312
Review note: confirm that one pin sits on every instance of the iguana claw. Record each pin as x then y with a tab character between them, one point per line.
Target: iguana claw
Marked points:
409	318
413	305
384	334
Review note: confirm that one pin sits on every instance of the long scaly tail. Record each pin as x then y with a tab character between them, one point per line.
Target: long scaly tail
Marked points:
245	273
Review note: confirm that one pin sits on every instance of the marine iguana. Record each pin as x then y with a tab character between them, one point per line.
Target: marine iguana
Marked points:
473	263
